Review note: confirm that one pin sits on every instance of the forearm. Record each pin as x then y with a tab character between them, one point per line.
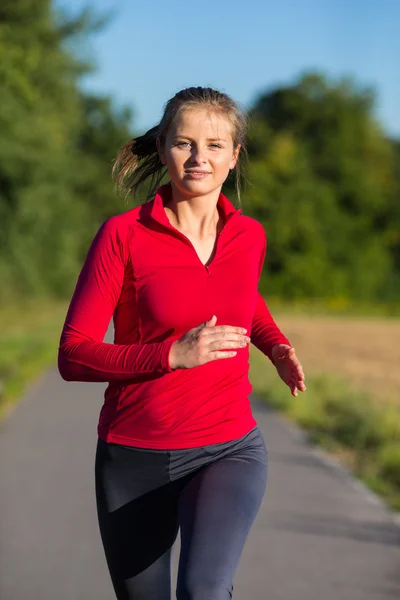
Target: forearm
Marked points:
102	362
265	334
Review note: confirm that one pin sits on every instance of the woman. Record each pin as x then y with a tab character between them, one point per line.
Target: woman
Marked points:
178	445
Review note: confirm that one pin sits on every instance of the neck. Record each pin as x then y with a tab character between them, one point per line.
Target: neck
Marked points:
198	216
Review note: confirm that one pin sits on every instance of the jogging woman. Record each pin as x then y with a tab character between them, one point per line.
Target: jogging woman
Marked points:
178	447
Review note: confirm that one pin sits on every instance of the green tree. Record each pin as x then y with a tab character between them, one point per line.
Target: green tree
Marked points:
322	176
56	142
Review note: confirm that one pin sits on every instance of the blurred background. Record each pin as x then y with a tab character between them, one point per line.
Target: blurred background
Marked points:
320	81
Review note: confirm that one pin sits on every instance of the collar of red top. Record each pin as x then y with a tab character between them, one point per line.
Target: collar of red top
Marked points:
163	195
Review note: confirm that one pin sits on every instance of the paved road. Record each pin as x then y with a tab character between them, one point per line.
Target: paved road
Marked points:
318	535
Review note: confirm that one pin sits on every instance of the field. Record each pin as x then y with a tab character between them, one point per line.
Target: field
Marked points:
363	350
351	406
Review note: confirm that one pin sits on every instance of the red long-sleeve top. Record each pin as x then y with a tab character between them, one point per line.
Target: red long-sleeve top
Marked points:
146	274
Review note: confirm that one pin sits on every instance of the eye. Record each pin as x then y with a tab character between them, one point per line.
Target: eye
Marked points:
182	144
215	145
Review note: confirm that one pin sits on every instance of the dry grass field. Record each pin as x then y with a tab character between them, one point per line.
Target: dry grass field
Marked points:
366	351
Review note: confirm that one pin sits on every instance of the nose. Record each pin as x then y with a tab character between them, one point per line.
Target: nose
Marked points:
197	155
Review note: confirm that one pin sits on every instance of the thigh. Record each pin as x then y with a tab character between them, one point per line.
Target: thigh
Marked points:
216	510
137	510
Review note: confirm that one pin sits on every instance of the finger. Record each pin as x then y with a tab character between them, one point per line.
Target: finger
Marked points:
226	335
297	366
218	355
223	345
299	372
218	343
226	329
226	338
298	383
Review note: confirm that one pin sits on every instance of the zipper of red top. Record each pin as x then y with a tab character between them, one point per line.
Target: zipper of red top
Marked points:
186	239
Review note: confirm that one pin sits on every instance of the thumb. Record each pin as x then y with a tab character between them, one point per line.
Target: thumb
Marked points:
211	322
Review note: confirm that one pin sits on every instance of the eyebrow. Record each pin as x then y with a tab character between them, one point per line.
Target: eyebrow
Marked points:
218	139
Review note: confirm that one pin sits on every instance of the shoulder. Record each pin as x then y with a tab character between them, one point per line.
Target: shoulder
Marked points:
120	226
114	233
254	227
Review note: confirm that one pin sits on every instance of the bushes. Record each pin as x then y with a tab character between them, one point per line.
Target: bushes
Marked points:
29	340
347	422
389	463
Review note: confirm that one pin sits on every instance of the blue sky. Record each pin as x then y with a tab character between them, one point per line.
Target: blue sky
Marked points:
153	48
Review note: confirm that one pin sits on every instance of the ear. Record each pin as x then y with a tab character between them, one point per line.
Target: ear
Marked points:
160	152
235	157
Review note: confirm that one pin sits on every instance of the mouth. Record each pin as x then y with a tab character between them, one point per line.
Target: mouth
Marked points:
197	174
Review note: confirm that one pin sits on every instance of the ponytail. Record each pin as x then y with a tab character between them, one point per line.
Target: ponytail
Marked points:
136	161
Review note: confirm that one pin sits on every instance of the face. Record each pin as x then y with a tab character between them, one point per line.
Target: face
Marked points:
199	152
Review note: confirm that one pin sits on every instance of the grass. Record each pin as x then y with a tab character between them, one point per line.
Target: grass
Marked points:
362	433
28	345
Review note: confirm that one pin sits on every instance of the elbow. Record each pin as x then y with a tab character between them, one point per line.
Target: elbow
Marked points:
64	367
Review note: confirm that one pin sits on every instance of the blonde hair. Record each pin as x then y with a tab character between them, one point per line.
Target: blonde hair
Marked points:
138	160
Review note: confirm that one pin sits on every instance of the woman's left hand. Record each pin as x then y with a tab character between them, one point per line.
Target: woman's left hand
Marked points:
289	368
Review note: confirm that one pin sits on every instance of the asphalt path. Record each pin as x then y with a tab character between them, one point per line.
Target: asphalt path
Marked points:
318	535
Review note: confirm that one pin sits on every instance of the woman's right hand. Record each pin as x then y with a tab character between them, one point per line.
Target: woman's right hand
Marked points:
205	343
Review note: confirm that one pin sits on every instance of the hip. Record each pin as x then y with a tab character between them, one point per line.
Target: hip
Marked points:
164	466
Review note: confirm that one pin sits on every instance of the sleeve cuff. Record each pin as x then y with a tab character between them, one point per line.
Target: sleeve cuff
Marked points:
165	351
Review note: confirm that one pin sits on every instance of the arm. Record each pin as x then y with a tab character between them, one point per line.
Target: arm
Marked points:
268	338
265	333
83	356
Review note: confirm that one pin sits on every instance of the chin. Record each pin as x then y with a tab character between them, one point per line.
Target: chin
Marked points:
201	188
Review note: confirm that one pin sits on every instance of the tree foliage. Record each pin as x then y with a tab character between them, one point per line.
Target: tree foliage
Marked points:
324	182
57	146
323	177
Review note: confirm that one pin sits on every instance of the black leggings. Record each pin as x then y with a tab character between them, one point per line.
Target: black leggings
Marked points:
144	496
